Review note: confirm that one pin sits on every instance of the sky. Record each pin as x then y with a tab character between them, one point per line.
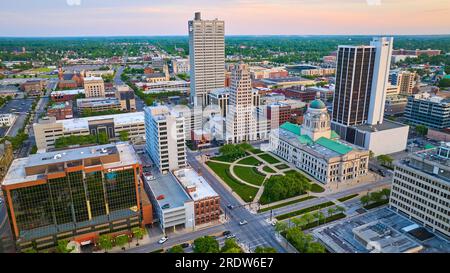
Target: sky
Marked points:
242	17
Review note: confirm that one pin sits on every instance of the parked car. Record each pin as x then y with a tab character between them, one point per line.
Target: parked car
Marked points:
163	240
226	232
185	245
243	222
165	206
230	206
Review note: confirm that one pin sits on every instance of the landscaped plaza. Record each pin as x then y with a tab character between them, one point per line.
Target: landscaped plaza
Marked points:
259	177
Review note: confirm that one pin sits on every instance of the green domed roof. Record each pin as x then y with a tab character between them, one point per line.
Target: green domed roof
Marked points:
317	104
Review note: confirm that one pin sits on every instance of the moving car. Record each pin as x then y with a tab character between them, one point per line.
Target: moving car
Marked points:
229	236
226	233
243	222
163	240
230	206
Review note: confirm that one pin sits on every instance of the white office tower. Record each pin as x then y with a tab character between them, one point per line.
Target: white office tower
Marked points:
241	118
164	131
383	52
207	57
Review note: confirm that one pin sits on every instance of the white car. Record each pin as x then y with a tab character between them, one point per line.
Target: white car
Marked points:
230	236
244	222
163	240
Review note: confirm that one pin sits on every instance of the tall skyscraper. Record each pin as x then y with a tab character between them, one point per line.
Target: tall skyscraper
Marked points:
361	80
362	75
240	120
207	57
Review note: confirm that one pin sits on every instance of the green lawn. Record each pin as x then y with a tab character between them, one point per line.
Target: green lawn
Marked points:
249	161
256	151
222	158
268	169
316	188
248	174
247	193
305	210
287	203
269	159
281	166
348	197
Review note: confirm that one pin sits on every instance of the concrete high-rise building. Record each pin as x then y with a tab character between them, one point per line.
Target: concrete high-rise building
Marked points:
241	118
426	109
207	57
421	188
94	87
165	136
406	82
361	82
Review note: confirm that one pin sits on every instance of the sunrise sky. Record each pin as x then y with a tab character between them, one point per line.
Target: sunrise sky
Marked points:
255	17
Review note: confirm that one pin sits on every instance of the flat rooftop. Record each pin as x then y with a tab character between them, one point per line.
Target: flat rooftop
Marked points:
119	119
17	172
386	125
287	79
95	102
339	236
191	179
67	92
167	185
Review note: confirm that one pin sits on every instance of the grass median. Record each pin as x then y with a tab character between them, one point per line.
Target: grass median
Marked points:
303	211
287	203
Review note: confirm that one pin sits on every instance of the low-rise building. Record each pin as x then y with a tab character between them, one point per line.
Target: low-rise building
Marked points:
286	82
164	86
319	72
315	149
34	87
6	157
74	194
181	66
206	200
61	110
421	188
90	105
66	95
126	98
395	105
98	73
7	120
48	130
428	110
156	77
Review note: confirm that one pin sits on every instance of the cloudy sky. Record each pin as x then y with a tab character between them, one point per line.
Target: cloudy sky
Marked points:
258	17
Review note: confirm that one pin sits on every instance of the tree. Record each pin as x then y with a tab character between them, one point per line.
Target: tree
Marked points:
206	244
385	160
340	209
320	217
376	197
123	135
331	211
105	242
281	227
62	247
298	222
421	130
371	154
176	249
261	249
230	246
386	193
365	200
102	138
138	233
122	240
308	218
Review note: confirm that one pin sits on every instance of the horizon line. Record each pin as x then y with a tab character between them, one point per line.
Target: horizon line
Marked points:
229	35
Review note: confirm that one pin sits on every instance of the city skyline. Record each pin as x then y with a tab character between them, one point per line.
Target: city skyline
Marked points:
243	17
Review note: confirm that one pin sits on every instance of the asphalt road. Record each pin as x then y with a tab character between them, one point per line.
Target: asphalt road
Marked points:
118	81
